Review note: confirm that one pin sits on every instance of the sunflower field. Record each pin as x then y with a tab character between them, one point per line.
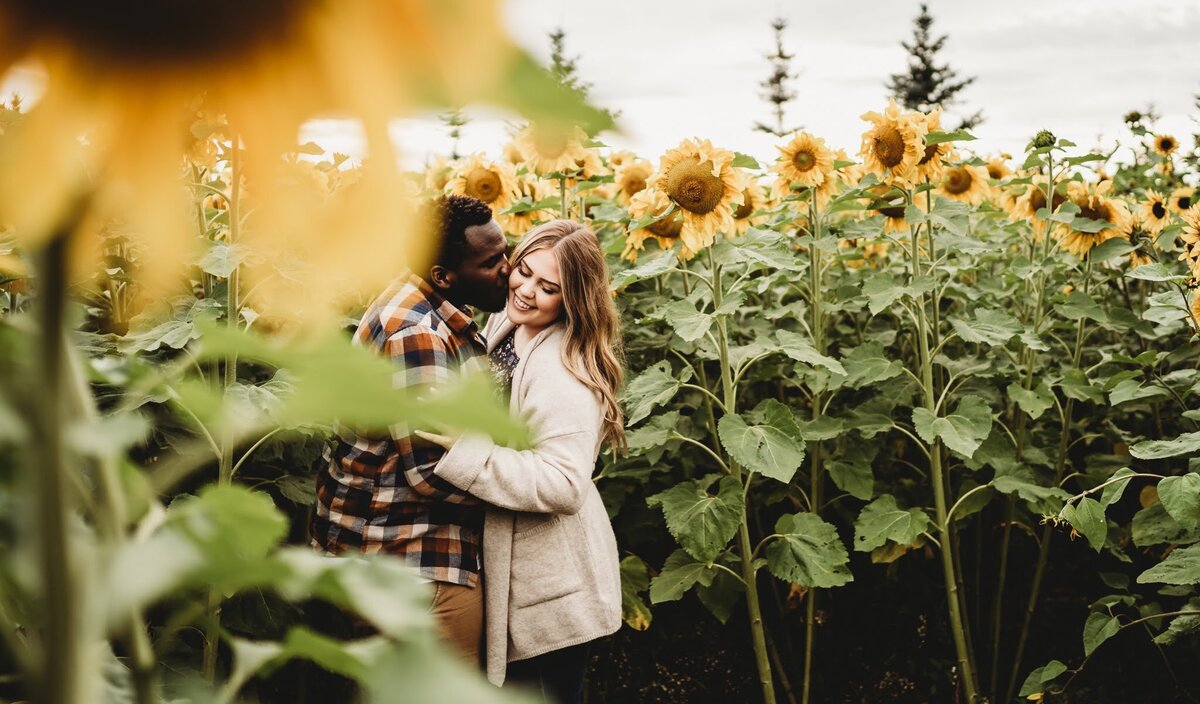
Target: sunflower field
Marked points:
907	421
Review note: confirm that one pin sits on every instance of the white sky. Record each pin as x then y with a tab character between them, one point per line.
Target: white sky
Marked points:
691	68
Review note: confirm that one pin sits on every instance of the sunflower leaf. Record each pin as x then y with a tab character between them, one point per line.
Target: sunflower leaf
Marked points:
1100	627
1159	449
679	573
1182	566
1156	271
702	523
689	324
744	161
652	387
1180	496
808	552
963	431
883	520
1087	517
774	448
1037	680
990	327
797	347
941	137
1035	402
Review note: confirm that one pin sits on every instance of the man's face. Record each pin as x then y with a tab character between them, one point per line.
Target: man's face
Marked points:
481	280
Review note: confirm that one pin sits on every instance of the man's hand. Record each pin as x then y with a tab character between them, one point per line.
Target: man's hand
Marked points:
445	441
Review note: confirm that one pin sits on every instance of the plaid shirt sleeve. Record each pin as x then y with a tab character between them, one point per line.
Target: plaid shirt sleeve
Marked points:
427	363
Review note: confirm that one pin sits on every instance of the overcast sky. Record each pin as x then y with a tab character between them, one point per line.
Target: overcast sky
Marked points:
684	68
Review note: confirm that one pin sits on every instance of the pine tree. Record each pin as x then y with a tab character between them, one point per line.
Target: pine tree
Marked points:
455	119
926	85
566	71
777	92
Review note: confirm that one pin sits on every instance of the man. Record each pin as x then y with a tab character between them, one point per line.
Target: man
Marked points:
379	494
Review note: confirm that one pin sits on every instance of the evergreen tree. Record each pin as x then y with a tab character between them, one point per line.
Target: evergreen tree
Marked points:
565	70
455	119
777	92
927	85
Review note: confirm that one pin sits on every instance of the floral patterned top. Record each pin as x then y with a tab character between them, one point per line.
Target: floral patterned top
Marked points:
504	361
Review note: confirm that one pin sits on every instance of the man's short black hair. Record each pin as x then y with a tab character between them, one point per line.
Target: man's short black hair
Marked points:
452	215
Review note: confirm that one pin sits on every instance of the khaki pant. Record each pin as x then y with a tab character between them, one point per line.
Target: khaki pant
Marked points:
459	613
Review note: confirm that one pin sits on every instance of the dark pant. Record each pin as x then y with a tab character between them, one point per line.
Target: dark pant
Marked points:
557	675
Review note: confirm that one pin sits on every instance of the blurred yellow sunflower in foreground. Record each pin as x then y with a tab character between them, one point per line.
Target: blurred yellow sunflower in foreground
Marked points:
894	144
1165	144
548	149
1154	212
1182	199
122	83
494	183
964	183
702	181
651	202
803	162
1108	214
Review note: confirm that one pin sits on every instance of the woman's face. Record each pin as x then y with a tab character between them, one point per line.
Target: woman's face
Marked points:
534	294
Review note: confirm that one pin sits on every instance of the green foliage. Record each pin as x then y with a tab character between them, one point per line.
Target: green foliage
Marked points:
774	448
963	430
883	520
808	552
703	523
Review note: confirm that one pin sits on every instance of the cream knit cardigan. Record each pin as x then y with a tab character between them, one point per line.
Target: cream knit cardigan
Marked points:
550	565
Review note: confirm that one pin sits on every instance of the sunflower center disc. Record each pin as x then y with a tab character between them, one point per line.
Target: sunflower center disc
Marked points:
483	184
694	188
745	208
930	152
958	181
668	228
1159	210
889	147
804	161
634	186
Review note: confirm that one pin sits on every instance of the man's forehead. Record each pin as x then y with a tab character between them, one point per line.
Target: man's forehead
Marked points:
487	238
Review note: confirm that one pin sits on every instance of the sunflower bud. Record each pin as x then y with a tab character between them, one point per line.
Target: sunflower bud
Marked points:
1043	139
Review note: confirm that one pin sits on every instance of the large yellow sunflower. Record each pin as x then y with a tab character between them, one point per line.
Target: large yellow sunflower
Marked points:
494	183
1182	199
702	181
517	224
631	178
1094	205
894	144
1154	212
964	183
650	202
803	162
549	150
1165	144
933	159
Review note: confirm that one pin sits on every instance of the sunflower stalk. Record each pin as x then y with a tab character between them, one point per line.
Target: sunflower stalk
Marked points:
937	477
1060	464
746	551
817	400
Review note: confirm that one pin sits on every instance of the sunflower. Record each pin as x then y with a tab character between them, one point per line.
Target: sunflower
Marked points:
652	202
1094	205
494	183
997	167
701	180
871	253
516	224
805	162
631	178
894	144
888	202
620	158
1165	144
1189	237
1182	199
933	159
1196	311
437	173
754	200
964	183
512	153
1027	205
1154	212
548	150
1140	236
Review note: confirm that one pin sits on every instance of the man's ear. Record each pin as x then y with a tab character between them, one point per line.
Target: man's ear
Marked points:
441	277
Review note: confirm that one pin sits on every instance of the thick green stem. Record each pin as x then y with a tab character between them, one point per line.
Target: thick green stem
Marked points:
62	668
945	537
746	552
562	197
815	476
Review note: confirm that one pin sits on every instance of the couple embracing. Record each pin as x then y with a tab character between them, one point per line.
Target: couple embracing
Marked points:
517	543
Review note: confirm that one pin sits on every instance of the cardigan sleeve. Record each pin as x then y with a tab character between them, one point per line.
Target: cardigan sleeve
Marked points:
551	477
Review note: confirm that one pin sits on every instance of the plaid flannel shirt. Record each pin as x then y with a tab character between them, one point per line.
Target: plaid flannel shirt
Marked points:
379	494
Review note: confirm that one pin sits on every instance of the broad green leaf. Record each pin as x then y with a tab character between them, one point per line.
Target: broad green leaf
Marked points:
990	327
221	259
635	580
1075	384
744	161
935	137
882	291
808	552
1156	271
962	431
1112	493
1033	402
1080	305
867	364
723	594
1182	566
680	573
702	523
823	428
1180	496
1087	517
852	472
883	520
1181	626
1038	679
1158	449
109	436
1098	628
1133	390
656	432
648	268
1153	526
798	347
687	322
652	387
1020	481
774	449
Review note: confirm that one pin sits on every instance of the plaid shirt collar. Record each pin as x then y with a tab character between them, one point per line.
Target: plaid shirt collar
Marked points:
459	319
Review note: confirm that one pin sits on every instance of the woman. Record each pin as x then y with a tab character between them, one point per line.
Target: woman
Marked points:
551	575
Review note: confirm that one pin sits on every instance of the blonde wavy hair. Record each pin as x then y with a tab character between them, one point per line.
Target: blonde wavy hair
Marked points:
592	351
